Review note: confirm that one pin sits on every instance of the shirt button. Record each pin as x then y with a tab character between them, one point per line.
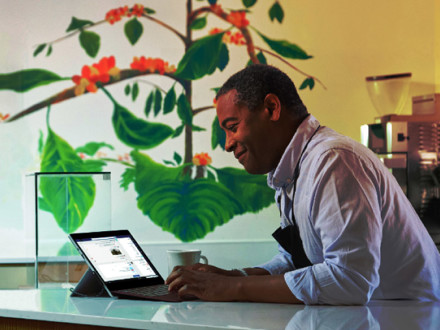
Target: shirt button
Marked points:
288	180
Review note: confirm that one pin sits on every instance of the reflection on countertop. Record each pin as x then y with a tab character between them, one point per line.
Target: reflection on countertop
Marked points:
377	315
57	304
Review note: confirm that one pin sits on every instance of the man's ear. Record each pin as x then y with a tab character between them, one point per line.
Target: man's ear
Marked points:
272	104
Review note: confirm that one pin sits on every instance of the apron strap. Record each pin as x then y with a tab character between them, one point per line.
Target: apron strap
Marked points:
289	238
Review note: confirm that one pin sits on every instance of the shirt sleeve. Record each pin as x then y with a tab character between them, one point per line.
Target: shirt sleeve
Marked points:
279	264
344	213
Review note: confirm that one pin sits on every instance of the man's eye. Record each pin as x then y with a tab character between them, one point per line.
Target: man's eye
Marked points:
232	128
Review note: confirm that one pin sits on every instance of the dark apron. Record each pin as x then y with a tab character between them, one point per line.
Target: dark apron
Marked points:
288	237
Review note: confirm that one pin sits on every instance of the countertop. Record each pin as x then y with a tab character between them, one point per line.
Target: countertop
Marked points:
56	305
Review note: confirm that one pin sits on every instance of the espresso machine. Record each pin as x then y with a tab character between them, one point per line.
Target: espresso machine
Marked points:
409	145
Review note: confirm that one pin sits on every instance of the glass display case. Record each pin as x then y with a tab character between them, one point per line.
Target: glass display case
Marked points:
58	204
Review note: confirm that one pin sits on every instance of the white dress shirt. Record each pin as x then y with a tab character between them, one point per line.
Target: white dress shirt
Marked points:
358	228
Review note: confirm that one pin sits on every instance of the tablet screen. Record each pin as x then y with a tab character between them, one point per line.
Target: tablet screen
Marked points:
116	257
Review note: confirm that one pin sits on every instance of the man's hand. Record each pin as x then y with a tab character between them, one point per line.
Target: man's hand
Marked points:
205	268
210	283
204	282
215	270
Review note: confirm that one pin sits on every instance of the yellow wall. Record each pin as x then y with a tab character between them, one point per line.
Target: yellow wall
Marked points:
354	39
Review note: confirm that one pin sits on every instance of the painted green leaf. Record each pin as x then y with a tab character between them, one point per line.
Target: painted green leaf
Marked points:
42	205
90	42
223	58
202	58
49	50
93	165
184	110
188	209
149	11
249	3
77	23
133	30
178	131
92	148
40	142
218	137
157	102
138	133
22	81
58	155
250	190
39	49
198	128
127	178
198	23
135	91
260	57
150	174
127	89
177	158
170	101
285	48
211	174
308	82
148	104
276	12
68	250
75	192
215	89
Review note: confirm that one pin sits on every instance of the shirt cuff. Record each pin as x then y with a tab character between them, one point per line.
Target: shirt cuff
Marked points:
302	284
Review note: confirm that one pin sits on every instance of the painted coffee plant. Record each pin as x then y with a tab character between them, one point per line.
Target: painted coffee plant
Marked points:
187	196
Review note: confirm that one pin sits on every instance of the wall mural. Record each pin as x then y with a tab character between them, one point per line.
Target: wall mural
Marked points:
187	189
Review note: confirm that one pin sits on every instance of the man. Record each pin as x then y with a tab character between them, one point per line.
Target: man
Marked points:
348	233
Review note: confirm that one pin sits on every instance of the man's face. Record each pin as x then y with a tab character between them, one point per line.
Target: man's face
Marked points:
248	134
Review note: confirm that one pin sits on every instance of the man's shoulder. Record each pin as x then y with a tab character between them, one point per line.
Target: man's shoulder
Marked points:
329	141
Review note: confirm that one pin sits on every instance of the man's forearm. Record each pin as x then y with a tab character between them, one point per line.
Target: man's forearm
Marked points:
269	288
249	271
256	271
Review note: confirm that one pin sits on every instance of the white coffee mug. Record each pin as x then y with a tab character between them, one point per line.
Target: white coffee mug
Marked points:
184	258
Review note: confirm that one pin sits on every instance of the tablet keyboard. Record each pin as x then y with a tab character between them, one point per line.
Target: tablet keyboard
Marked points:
151	292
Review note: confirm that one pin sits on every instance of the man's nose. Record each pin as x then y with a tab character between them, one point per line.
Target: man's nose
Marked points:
229	144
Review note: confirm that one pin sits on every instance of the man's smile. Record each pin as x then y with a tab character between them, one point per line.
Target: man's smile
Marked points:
239	155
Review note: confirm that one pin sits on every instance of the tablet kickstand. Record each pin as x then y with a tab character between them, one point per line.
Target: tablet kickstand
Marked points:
89	286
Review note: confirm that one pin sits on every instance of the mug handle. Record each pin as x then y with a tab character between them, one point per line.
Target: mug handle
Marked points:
204	259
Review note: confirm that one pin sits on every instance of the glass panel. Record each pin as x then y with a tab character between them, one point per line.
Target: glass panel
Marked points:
65	203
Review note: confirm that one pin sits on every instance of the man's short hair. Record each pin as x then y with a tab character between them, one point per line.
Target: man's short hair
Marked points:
254	82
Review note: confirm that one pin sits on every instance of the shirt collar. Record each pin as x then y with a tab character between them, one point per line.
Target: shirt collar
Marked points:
282	175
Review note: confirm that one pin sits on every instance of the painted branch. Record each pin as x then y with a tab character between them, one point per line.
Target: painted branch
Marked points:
75	32
194	14
70	93
180	35
199	110
250	45
290	65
